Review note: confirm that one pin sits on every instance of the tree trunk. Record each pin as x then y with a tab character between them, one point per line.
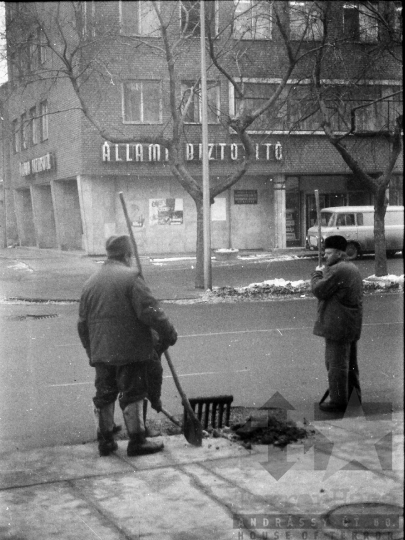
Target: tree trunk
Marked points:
380	206
199	270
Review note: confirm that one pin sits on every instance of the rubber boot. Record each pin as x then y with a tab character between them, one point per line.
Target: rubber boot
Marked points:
116	428
138	445
104	417
149	432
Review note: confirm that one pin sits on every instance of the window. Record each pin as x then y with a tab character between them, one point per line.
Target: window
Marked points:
142	102
139	18
190	16
256	94
32	54
24	131
359	219
194	110
42	46
252	19
33	126
359	24
305	21
16	137
43	111
345	220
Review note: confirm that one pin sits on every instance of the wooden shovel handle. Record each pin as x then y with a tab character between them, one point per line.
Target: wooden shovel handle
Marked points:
184	398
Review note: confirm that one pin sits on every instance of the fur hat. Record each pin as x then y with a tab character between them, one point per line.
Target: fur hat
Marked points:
336	242
118	246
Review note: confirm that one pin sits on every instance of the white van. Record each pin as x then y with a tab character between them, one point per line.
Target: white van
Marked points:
356	224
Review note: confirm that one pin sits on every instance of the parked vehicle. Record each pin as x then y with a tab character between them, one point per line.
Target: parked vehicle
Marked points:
356	224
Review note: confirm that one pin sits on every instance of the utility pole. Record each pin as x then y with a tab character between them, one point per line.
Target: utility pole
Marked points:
205	167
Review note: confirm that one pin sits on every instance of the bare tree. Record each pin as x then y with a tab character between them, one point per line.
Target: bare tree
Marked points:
316	51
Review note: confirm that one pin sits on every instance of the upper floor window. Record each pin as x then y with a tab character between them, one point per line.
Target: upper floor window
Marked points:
42	46
16	137
89	18
24	131
305	21
190	16
139	18
34	139
359	22
43	112
142	102
193	96
252	19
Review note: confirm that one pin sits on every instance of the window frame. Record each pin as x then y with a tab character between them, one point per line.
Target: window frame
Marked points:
142	122
197	106
362	30
139	32
34	139
44	120
383	84
16	136
194	34
251	8
308	8
24	131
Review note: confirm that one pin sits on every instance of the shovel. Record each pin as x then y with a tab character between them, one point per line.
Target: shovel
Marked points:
192	427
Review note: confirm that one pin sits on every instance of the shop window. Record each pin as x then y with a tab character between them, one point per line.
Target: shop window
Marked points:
142	102
139	18
252	19
305	21
190	16
43	112
360	23
194	111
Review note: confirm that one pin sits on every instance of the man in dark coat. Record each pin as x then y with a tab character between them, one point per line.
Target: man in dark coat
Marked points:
339	289
117	316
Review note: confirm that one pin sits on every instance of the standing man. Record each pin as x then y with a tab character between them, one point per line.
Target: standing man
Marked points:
339	289
117	315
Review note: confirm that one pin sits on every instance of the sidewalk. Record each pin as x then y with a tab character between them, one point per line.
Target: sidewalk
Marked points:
68	492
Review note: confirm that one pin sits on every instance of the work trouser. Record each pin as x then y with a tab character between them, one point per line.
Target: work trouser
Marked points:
343	370
131	382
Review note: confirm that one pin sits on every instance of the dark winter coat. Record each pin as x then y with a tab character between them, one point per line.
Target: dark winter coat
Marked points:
117	314
340	309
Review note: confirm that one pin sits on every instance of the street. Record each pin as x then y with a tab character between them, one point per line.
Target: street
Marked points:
249	350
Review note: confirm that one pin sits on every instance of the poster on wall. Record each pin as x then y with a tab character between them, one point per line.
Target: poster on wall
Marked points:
137	216
218	209
165	211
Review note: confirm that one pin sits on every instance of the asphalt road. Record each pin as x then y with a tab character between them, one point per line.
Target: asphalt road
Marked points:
249	350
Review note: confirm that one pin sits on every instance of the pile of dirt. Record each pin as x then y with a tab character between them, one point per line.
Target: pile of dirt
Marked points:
269	430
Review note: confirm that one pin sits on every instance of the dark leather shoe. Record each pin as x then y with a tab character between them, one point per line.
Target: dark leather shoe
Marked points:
332	407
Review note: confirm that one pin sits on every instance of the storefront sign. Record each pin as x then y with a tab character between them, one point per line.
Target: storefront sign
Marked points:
37	165
245	196
193	152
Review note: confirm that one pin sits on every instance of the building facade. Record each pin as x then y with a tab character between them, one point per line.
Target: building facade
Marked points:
65	174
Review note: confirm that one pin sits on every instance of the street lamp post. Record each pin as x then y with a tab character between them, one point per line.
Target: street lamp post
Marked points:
205	167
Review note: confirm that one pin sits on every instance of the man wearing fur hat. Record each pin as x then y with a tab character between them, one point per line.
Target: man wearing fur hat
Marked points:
339	289
117	319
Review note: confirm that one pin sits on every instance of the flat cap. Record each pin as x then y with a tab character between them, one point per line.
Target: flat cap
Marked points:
336	242
117	246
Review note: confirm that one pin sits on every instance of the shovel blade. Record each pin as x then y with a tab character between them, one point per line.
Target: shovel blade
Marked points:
193	431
